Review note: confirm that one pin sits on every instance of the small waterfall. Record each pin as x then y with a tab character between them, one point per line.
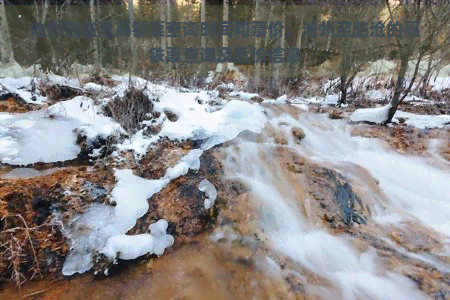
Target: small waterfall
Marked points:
412	188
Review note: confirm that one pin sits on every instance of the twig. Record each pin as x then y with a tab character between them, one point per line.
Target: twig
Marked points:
29	238
35	294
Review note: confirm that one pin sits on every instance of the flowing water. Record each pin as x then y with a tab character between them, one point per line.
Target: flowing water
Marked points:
413	188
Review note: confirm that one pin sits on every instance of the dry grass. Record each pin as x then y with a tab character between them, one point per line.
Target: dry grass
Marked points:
132	109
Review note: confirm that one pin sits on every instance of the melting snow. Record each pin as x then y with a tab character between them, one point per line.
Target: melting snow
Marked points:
423	121
210	191
379	115
375	115
131	192
47	135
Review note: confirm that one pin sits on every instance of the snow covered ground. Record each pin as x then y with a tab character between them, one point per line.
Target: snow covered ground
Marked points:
379	114
49	135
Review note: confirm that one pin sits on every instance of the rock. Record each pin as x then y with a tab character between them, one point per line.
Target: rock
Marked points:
250	136
416	238
401	120
298	133
335	114
257	99
171	116
11	105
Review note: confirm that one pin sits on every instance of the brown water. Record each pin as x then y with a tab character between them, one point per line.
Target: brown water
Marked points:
195	271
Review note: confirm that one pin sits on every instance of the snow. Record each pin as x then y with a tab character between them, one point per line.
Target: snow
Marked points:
423	121
303	107
130	195
131	192
36	137
379	114
21	87
208	188
375	115
196	121
133	246
243	95
377	94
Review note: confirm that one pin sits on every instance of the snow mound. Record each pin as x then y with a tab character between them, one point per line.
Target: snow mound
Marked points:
133	246
374	115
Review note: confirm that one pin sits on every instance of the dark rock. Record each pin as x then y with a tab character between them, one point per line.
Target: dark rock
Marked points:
257	99
342	207
171	116
42	208
298	133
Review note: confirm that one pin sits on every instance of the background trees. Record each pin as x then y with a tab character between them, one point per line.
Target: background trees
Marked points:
345	55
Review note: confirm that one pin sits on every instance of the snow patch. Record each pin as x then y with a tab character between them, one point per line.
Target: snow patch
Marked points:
133	246
374	115
48	135
211	193
423	121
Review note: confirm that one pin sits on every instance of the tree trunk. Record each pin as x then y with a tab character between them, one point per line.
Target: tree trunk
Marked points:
344	72
132	38
299	42
96	53
427	74
328	42
169	18
279	67
203	20
257	77
6	49
398	87
163	20
225	37
266	40
343	87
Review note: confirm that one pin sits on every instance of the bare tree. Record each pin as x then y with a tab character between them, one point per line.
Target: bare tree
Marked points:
432	20
132	37
257	76
96	47
6	49
279	67
203	20
169	19
225	37
163	20
355	51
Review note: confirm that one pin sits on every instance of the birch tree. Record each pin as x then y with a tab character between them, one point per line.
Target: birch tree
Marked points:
6	49
225	37
203	20
279	67
96	48
163	20
169	19
257	77
132	38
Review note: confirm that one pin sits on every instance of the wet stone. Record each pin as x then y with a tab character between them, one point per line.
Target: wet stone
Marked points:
298	133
